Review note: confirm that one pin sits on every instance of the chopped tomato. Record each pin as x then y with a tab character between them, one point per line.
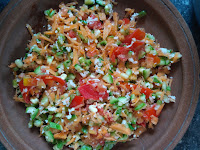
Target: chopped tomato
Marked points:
49	78
154	58
94	22
138	46
138	34
106	115
119	52
92	51
93	89
149	112
89	92
25	90
27	84
78	100
72	34
126	21
146	91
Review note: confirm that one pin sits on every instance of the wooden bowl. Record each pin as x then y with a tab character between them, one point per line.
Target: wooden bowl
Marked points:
163	21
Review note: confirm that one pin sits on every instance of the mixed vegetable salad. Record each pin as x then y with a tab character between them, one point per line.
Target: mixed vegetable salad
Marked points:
92	80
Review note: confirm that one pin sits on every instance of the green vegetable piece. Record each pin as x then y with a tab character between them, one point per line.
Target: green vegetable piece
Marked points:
15	85
45	101
108	9
35	48
81	60
150	36
71	76
103	43
159	102
130	127
113	100
19	63
119	110
109	145
73	117
50	117
98	147
38	123
50	59
101	3
142	14
78	68
49	13
55	126
146	73
156	80
85	40
140	106
84	130
15	69
88	62
38	71
128	72
108	78
168	88
49	136
89	2
86	147
132	96
134	120
61	39
67	63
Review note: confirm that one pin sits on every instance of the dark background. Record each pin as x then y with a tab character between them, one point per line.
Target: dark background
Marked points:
191	139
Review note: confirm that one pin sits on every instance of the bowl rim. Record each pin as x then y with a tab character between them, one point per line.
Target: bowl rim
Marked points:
193	50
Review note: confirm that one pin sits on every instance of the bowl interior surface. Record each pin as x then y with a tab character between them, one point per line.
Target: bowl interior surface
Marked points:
159	21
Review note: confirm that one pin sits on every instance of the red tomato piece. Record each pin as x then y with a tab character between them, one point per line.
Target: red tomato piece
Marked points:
94	22
138	46
78	100
138	34
88	92
146	91
156	59
126	21
72	34
120	52
149	112
25	90
49	78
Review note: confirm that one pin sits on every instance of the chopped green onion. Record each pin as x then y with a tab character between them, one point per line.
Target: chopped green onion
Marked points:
168	88
19	63
50	117
55	126
142	14
132	96
129	72
113	100
156	80
81	60
50	59
61	39
49	136
85	40
103	43
119	110
67	63
159	102
15	85
71	76
86	147
108	9
49	13
45	101
140	106
89	2
118	43
130	127
109	145
78	68
101	2
73	117
35	48
108	78
38	123
38	71
84	130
